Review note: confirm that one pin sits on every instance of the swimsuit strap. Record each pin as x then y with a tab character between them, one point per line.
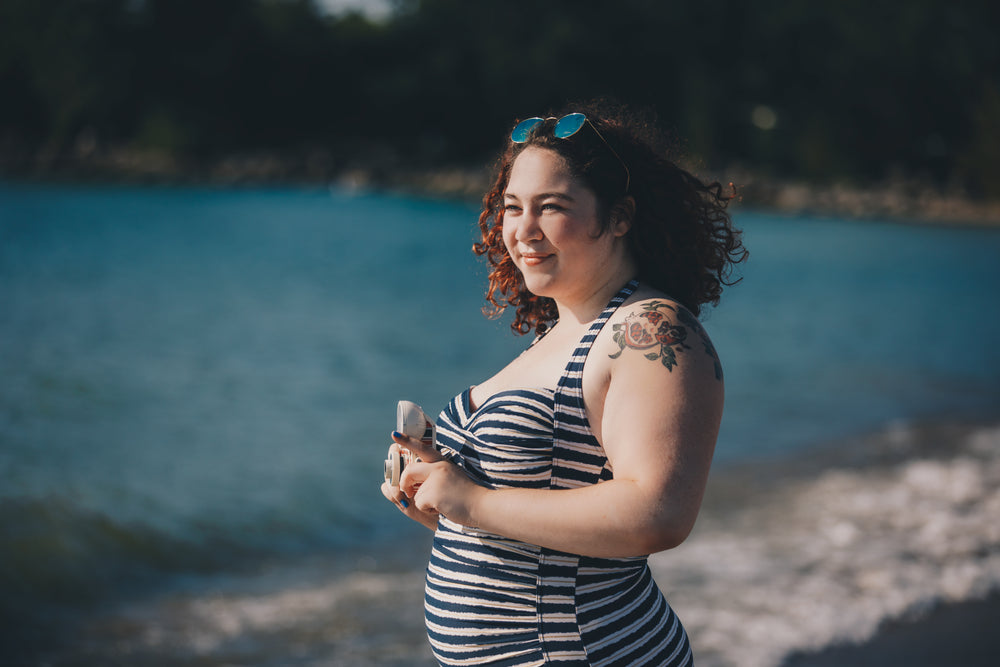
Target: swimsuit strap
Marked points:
573	374
577	458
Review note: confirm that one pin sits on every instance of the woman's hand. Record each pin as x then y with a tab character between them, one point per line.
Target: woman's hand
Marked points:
442	487
400	499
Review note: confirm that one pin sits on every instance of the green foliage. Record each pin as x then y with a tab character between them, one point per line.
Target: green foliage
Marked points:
823	89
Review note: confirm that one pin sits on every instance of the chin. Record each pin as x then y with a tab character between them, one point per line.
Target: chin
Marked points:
539	285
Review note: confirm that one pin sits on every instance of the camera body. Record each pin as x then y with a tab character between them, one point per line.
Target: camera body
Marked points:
410	421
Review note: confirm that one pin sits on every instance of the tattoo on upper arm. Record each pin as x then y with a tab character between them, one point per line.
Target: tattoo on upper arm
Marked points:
654	328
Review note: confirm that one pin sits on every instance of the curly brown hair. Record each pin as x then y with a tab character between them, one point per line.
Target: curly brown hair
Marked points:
682	238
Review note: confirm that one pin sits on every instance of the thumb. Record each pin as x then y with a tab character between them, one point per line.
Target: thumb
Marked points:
411	479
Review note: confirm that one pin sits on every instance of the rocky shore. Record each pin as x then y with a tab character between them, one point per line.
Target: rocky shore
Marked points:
895	199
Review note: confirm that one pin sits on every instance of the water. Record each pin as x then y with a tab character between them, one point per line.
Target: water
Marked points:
197	387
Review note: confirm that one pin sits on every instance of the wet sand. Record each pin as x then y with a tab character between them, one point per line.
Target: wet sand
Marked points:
956	635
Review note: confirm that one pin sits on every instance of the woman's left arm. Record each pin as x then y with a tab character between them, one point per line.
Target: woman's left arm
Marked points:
658	425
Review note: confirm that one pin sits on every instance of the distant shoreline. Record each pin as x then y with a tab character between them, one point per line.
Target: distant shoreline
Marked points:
899	200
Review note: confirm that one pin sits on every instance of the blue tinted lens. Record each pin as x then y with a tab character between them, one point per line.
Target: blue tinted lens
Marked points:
569	125
523	130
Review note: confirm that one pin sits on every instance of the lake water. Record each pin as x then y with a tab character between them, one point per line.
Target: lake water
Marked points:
196	387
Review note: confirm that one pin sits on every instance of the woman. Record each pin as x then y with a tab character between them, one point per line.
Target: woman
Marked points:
554	479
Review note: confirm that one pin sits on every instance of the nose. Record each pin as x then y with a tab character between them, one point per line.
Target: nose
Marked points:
528	227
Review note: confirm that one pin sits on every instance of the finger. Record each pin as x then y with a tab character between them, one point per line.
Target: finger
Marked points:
426	452
395	496
413	476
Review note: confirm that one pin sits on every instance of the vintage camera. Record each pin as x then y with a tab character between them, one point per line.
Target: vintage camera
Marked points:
410	421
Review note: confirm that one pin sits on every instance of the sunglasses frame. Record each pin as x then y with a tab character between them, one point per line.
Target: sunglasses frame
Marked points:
565	128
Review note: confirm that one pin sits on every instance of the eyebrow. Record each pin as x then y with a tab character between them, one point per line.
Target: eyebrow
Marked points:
545	195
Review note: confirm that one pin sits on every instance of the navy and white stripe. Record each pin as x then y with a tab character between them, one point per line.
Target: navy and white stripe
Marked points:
491	600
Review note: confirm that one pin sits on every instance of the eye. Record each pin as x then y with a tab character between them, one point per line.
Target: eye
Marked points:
551	206
511	209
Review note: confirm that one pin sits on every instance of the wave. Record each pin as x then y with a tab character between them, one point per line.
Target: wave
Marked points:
57	554
794	563
53	552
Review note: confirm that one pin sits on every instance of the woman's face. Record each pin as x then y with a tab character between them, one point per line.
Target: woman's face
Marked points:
552	231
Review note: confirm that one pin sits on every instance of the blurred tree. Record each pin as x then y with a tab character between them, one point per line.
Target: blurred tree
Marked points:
68	64
854	89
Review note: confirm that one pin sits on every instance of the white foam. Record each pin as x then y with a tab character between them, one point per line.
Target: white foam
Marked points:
829	559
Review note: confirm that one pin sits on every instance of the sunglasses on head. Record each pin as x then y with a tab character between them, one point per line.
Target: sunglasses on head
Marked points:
564	128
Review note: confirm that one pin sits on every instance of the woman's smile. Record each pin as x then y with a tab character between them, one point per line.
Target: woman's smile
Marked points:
534	258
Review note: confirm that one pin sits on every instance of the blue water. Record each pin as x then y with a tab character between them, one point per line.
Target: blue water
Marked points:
191	379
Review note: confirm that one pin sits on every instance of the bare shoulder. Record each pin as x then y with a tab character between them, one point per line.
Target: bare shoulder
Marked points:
657	331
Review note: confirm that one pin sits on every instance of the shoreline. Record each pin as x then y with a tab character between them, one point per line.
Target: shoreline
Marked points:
785	569
811	554
896	199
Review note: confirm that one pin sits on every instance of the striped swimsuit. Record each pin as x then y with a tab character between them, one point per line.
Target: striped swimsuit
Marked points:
491	600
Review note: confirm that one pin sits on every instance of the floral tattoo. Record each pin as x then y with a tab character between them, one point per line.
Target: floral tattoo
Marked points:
651	329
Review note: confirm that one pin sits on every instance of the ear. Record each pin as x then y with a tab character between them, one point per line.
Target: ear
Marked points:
622	215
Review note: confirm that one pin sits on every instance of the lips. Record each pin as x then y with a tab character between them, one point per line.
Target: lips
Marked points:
534	258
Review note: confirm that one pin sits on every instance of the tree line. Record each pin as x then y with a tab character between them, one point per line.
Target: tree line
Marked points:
848	89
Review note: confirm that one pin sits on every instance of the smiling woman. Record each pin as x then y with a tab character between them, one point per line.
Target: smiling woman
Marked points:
552	481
